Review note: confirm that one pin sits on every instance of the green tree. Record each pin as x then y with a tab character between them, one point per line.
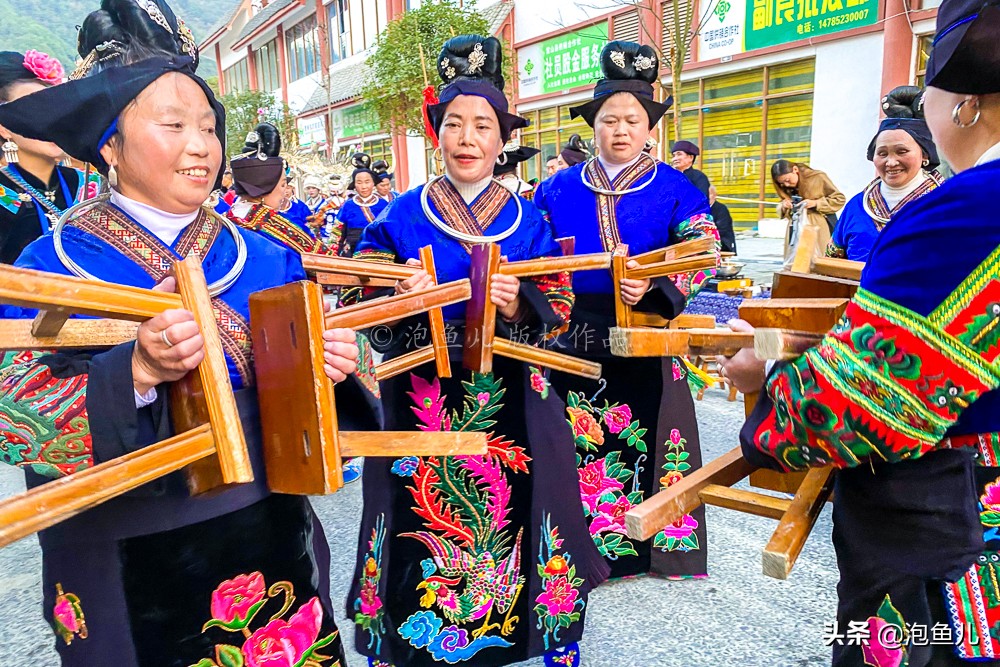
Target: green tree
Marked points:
244	110
396	81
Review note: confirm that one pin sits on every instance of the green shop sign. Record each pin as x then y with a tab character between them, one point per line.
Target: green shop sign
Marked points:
563	62
773	22
358	120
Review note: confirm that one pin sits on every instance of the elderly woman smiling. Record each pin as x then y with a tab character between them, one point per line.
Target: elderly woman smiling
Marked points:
424	589
130	582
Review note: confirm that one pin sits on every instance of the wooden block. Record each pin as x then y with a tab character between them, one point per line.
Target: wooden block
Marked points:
705	244
36	289
838	268
651	516
748	502
640	342
686	321
230	445
772	480
395	444
75	334
640	319
815	315
789	285
546	265
780	344
63	498
344	280
794	527
672	267
391	308
623	311
359	268
568	245
806	250
47	323
404	363
439	338
537	356
297	411
480	312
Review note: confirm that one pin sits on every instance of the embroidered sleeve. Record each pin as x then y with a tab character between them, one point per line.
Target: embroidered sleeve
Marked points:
695	227
886	383
375	245
557	289
836	251
43	419
9	200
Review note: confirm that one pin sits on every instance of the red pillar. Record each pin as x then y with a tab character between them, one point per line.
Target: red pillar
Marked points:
401	165
280	41
218	67
251	68
323	31
897	51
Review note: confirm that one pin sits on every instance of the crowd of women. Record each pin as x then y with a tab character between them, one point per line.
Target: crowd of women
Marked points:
489	560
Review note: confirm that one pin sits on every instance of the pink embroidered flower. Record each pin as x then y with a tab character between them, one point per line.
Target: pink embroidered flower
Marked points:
883	647
235	600
284	643
677	371
538	382
594	483
675	437
65	614
585	425
671	478
618	418
683	527
611	517
370	601
991	497
483	398
45	67
93	189
559	597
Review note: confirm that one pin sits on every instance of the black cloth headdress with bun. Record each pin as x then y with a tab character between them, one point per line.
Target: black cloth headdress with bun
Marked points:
138	44
628	68
904	111
258	168
965	55
512	155
362	165
473	65
380	171
575	151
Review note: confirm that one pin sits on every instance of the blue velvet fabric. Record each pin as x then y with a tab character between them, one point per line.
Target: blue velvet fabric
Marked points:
354	218
647	220
856	232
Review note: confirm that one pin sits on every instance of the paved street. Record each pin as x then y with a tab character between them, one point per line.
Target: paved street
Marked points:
736	616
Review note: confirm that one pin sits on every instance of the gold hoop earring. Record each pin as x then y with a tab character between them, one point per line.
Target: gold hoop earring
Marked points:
438	154
112	176
10	149
956	113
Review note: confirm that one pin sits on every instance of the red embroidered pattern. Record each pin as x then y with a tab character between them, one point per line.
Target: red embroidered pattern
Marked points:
885	382
265	220
875	206
469	220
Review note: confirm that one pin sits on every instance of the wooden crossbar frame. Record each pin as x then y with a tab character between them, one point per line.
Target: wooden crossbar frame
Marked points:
809	259
712	484
219	439
303	444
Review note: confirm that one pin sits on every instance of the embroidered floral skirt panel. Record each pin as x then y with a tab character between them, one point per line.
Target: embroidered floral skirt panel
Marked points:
479	560
246	588
636	432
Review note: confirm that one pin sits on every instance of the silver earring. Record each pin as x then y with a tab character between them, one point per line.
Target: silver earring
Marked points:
9	152
502	159
112	176
956	114
927	163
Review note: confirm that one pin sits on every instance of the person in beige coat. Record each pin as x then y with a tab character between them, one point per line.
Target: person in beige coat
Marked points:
819	198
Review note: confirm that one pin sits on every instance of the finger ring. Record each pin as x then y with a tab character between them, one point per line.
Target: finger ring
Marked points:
164	338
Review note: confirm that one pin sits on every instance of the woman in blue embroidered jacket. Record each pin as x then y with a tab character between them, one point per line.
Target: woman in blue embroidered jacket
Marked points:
901	395
649	435
34	189
479	560
157	577
360	209
905	160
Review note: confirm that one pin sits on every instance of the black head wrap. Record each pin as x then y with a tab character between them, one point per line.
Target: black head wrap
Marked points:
125	47
513	154
628	68
258	168
472	65
686	147
965	55
380	171
362	165
904	112
575	151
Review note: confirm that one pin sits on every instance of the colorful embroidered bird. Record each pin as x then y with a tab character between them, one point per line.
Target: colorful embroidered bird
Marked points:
488	585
